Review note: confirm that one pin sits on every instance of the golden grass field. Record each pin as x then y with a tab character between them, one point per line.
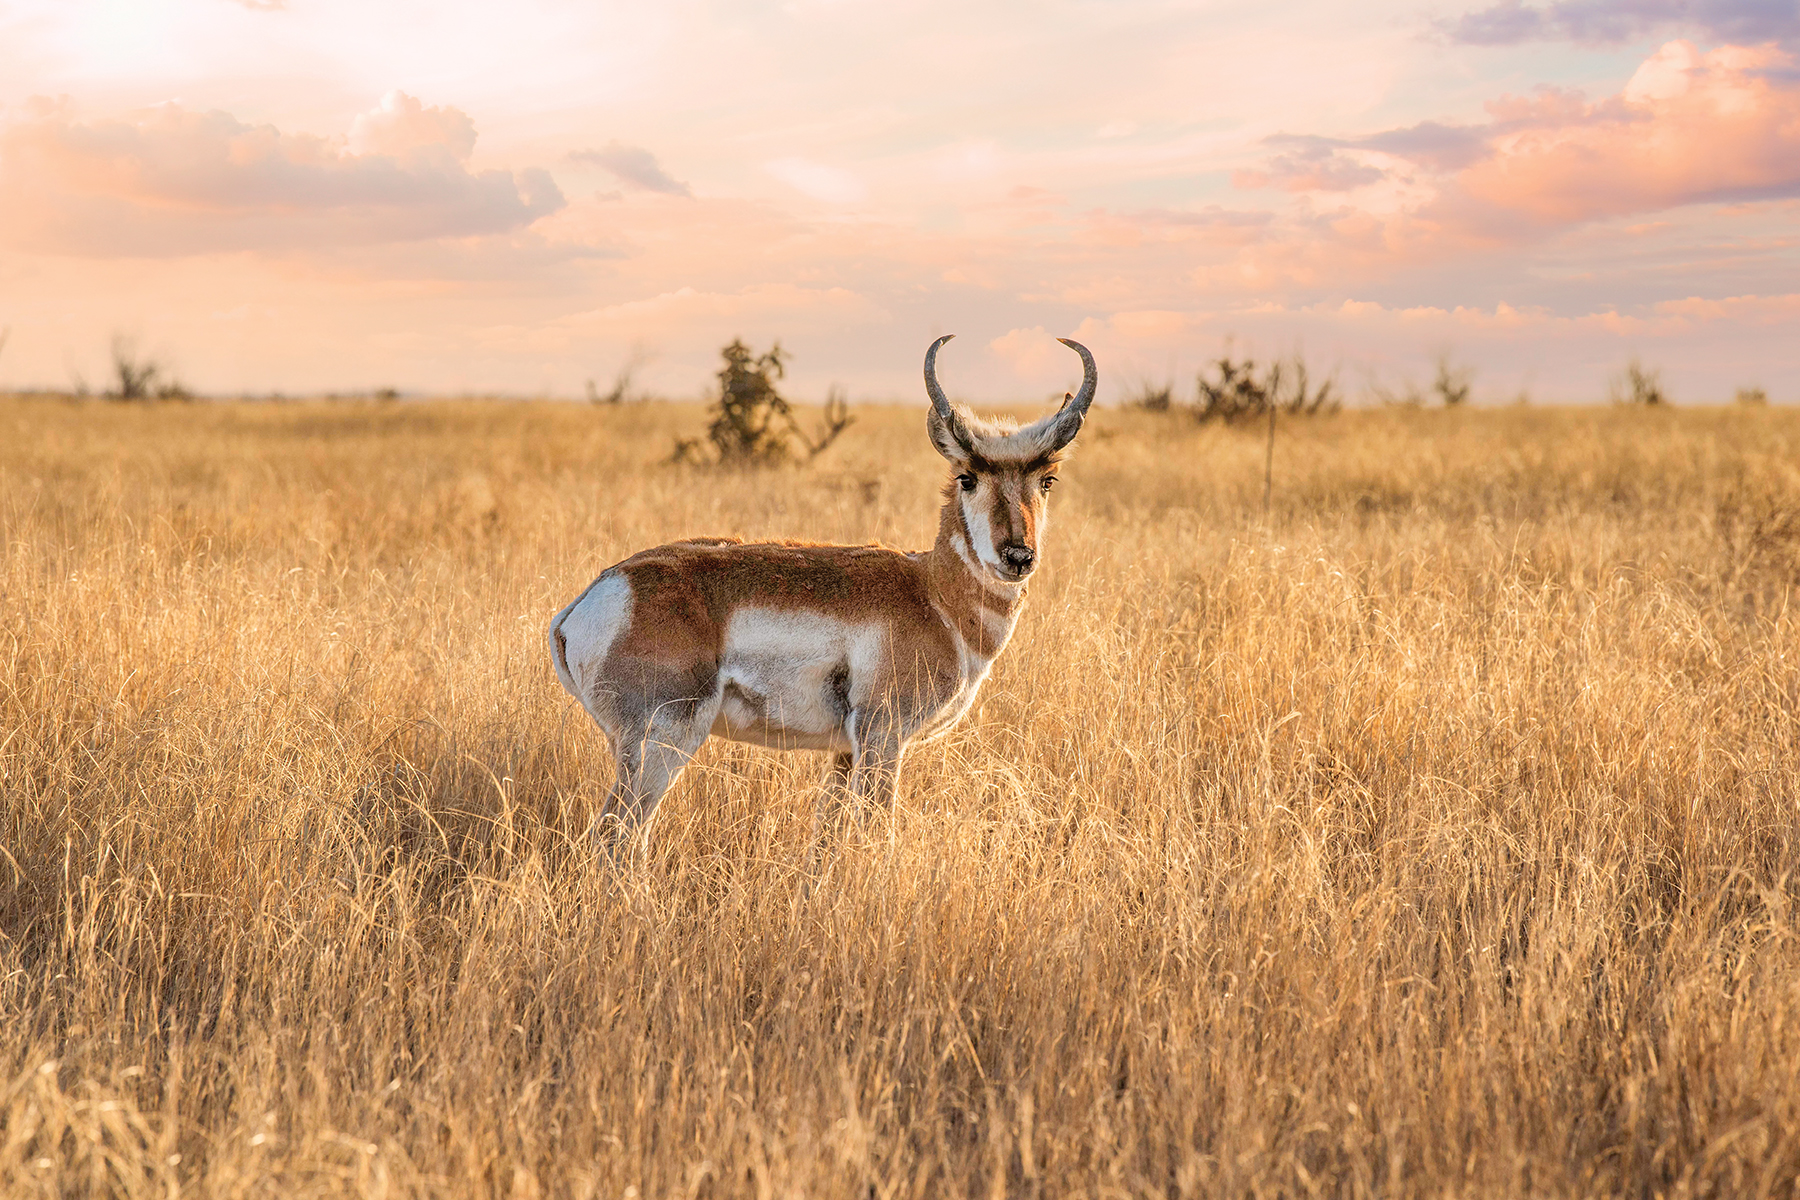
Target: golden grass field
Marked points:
1437	837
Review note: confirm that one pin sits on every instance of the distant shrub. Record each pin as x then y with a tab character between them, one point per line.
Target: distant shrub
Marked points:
1232	390
1752	396
1452	384
832	422
621	389
1152	397
752	422
748	417
1639	385
139	377
1407	395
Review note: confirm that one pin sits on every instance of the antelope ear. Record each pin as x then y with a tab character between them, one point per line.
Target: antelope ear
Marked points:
949	435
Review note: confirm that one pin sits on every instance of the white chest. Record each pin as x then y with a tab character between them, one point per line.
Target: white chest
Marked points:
973	671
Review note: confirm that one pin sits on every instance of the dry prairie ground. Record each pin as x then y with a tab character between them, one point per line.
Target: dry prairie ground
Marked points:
1438	839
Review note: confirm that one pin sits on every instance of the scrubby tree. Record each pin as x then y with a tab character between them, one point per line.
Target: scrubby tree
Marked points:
750	417
752	422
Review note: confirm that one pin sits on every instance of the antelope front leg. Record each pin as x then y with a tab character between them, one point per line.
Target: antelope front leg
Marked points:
829	808
831	794
875	773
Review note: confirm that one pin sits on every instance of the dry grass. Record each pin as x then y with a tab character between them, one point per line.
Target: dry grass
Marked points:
1440	842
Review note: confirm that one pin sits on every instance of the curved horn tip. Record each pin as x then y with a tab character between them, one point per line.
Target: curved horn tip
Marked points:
939	402
1090	380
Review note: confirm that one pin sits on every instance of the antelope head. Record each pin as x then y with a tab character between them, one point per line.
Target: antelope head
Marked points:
1003	473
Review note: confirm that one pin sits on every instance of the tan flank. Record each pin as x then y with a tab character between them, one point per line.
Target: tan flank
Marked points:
855	650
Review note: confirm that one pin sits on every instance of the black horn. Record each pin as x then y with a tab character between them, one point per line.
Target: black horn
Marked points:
1074	409
943	423
1090	377
939	401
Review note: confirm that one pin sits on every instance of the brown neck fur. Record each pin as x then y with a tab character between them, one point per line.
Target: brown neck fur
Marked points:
963	599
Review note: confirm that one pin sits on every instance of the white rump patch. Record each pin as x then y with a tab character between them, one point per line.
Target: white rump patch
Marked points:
589	627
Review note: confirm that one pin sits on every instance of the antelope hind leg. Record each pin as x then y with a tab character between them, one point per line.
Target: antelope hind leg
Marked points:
649	763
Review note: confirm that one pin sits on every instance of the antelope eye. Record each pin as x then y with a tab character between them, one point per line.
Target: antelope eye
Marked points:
966	481
1049	481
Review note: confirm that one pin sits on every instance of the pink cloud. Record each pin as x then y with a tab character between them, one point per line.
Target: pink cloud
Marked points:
1314	165
759	311
1688	127
1026	351
403	128
633	166
857	229
171	181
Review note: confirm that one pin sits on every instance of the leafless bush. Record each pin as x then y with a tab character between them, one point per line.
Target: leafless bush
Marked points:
1407	395
140	377
621	389
832	422
1452	384
1237	391
1152	397
1639	385
1753	397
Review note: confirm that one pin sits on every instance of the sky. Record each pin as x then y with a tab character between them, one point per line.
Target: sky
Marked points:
303	196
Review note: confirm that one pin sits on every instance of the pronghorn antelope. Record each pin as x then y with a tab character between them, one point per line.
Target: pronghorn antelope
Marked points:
856	650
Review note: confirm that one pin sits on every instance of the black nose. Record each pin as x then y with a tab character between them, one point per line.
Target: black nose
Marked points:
1019	558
